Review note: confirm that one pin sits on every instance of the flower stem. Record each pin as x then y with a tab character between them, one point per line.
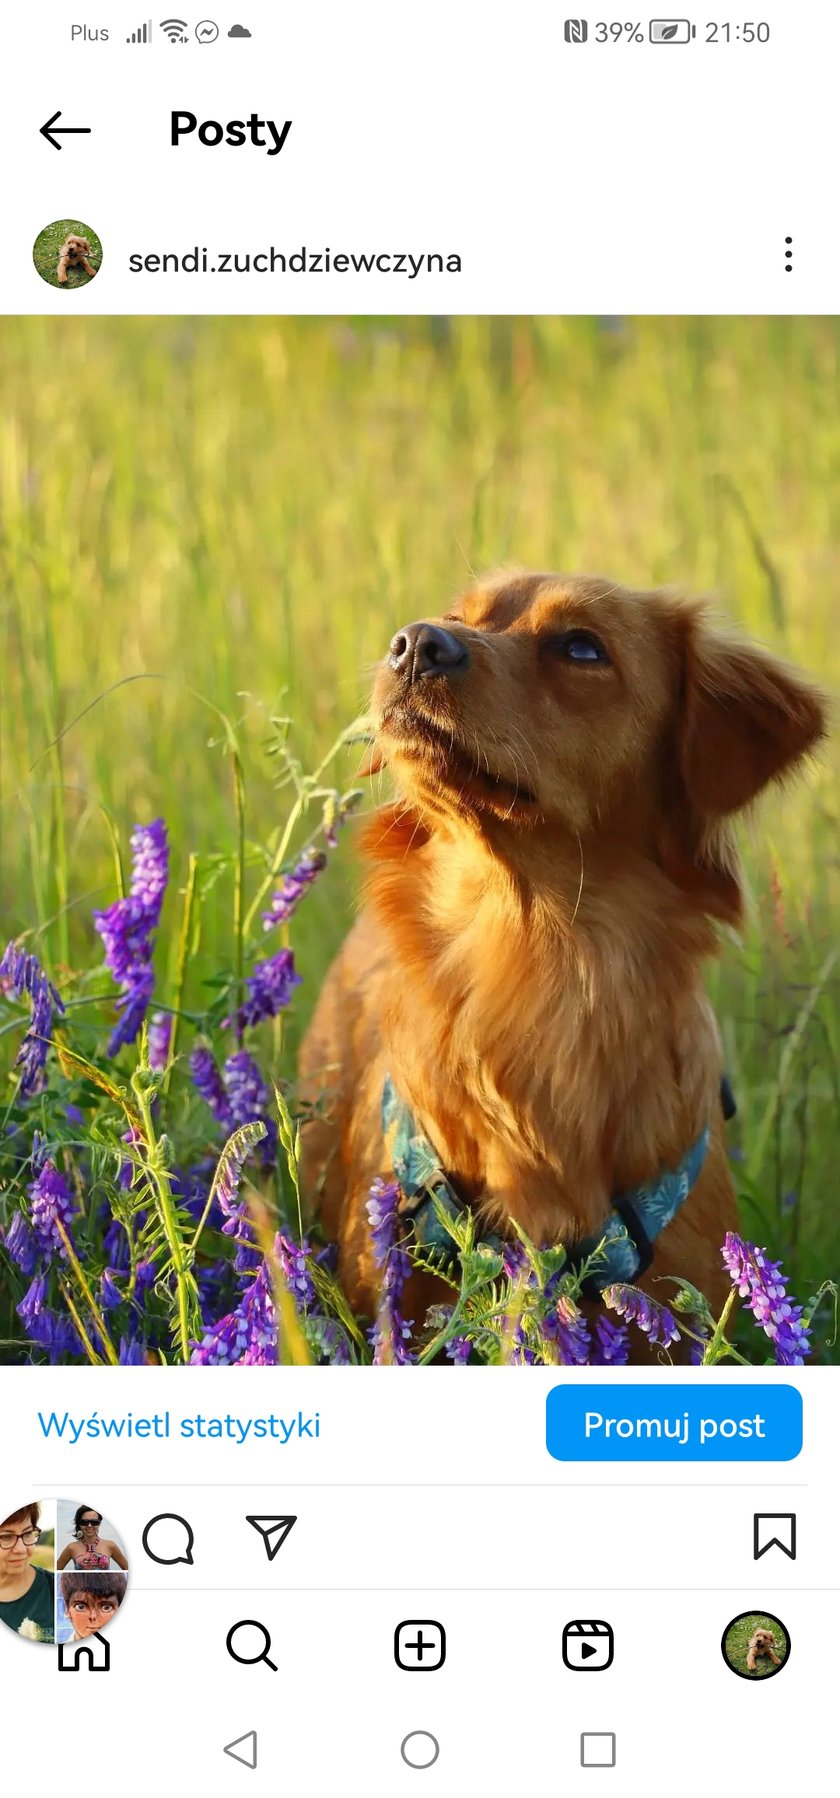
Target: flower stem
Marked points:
96	1314
181	970
159	1177
719	1345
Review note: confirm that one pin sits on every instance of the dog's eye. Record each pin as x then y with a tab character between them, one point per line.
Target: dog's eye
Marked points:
578	646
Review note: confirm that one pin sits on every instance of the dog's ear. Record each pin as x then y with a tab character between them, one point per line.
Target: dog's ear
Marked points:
746	719
743	720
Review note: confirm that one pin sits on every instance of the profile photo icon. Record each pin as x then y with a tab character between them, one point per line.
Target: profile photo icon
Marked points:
67	254
755	1645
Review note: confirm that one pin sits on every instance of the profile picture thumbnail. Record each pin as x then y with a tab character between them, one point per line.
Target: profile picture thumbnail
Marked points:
92	1567
87	1603
63	1571
27	1571
86	1540
755	1645
67	253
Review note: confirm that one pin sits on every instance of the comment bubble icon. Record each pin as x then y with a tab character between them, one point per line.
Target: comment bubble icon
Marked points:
168	1539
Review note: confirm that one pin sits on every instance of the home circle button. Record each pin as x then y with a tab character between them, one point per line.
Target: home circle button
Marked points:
420	1749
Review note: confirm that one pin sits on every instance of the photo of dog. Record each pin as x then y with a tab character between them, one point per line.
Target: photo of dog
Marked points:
762	1642
67	254
542	895
755	1645
74	253
482	962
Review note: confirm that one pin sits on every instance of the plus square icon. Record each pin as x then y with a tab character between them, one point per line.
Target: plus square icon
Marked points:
420	1645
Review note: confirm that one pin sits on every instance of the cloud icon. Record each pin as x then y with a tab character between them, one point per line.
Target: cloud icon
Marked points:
239	31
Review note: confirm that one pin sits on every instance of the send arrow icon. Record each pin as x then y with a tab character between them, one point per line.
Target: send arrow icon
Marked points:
273	1530
244	1749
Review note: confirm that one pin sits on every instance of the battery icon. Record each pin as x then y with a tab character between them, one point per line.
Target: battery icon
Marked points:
671	31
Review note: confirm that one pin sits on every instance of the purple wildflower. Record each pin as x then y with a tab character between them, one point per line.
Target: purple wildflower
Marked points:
522	1354
653	1319
208	1082
764	1286
236	1096
133	1351
22	1244
160	1037
109	1291
32	1303
144	1277
52	1203
294	885
233	1207
514	1260
611	1344
150	868
294	1258
43	1326
22	974
248	1100
247	1336
458	1350
115	1246
566	1328
126	929
247	1094
391	1335
270	988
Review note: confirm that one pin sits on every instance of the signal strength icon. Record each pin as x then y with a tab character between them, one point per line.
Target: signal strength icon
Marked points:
176	30
143	34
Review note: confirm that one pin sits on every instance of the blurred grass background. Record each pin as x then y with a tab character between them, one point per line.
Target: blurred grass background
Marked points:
240	507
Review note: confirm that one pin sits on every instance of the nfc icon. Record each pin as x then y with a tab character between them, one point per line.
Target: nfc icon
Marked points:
576	31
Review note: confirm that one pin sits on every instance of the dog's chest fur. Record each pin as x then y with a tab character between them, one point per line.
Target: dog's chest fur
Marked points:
554	1055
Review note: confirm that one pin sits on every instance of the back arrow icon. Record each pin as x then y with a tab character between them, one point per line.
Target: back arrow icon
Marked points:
48	131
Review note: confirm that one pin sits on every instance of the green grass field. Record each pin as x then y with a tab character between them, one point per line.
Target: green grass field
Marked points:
238	513
49	242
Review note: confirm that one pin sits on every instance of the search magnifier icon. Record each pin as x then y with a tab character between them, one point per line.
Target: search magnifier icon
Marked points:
246	1651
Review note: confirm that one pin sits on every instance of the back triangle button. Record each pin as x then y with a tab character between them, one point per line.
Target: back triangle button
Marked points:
243	1749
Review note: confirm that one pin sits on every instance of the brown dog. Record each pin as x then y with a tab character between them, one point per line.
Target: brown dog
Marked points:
541	898
762	1643
74	253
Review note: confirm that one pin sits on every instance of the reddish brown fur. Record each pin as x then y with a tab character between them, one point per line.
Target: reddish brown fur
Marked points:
541	898
74	253
762	1643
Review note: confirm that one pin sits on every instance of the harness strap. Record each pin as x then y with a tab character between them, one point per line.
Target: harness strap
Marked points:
625	1243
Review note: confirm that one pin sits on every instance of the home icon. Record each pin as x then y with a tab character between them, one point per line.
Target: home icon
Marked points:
94	1654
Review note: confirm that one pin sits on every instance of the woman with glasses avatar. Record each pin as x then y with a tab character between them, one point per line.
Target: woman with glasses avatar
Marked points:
88	1549
27	1592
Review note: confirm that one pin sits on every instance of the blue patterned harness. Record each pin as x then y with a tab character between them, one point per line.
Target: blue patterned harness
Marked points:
625	1241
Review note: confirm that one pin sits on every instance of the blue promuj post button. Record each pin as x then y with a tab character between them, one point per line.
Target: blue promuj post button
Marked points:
674	1423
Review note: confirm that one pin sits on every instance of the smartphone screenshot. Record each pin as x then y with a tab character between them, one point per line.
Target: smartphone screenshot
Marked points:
419	882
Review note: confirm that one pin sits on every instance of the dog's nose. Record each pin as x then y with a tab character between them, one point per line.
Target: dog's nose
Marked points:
424	649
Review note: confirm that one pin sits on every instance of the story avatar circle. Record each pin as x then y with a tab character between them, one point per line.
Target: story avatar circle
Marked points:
63	1572
755	1645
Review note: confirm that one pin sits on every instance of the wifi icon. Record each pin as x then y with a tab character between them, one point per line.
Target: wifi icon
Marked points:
176	30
